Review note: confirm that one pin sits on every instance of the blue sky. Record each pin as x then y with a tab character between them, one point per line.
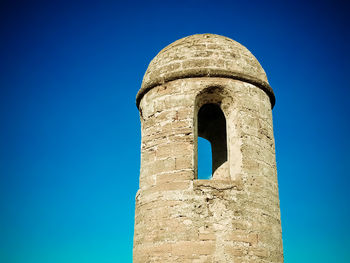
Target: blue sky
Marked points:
70	132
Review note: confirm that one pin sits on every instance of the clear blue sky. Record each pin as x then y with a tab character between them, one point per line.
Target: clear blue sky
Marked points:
70	132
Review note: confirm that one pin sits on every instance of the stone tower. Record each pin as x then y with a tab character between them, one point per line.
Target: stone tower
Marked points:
209	86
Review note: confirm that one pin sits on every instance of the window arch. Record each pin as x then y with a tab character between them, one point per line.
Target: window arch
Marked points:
211	125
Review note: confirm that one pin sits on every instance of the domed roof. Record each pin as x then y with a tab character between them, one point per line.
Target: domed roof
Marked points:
204	55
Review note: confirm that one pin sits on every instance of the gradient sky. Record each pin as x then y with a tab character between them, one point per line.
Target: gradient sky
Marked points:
70	131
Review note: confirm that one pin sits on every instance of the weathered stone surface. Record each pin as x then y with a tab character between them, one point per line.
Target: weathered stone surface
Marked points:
235	216
204	55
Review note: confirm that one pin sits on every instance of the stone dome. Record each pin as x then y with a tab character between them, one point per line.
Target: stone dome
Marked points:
204	55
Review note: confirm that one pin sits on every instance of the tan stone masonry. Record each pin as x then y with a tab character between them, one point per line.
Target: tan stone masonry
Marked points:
235	216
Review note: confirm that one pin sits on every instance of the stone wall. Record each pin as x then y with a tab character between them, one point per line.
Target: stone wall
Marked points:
235	216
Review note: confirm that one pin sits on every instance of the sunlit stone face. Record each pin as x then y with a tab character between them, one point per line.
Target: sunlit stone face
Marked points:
234	216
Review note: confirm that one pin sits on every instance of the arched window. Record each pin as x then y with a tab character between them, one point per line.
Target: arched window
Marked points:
212	127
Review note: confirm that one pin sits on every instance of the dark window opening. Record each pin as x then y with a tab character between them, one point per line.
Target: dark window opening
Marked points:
212	127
